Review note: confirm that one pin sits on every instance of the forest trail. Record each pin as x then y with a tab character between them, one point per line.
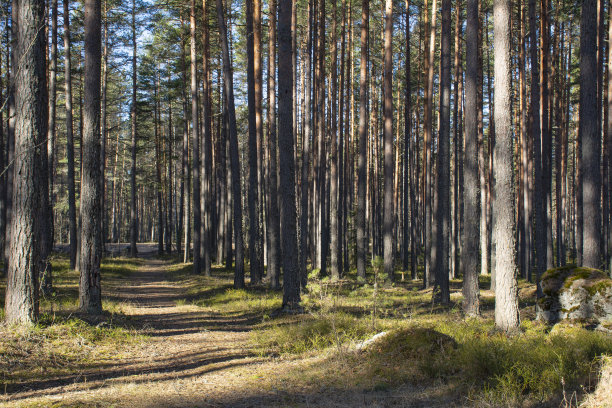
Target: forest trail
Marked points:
191	357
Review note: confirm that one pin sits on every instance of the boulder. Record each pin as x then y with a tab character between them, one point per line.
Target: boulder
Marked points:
575	294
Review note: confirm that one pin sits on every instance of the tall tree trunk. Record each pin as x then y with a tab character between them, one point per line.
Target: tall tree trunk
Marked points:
609	145
443	167
291	293
169	223
133	208
103	132
206	152
195	145
335	256
29	180
538	185
90	292
256	266
469	252
388	141
46	278
546	140
525	250
591	138
457	131
428	128
70	137
158	168
228	81
506	292
274	256
305	184
363	134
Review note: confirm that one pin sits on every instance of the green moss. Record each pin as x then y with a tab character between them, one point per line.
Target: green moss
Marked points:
600	287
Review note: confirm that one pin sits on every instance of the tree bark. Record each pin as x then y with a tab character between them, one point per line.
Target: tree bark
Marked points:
335	256
228	82
363	134
388	142
506	292
274	259
70	137
469	252
206	152
591	139
195	145
291	292
90	293
29	179
442	291
133	208
46	278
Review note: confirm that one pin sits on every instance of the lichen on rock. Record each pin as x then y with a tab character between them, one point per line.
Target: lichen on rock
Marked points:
575	294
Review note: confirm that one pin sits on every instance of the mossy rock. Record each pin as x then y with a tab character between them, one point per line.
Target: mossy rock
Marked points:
414	343
575	294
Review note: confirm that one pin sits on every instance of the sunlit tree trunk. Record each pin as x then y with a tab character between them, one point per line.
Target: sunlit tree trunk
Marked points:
29	179
591	139
506	291
90	292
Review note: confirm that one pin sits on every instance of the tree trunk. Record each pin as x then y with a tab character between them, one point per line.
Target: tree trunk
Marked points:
291	293
335	256
70	137
443	168
591	138
206	152
195	145
506	293
90	293
388	141
28	178
305	184
363	134
256	266
228	81
133	209
46	278
534	117
274	259
469	252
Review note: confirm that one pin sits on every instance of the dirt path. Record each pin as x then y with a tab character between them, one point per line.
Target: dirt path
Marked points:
193	357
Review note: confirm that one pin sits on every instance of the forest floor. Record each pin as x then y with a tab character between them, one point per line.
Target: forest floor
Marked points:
168	338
